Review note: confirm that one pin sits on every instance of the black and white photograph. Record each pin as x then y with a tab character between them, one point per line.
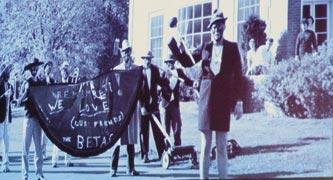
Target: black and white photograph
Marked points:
166	89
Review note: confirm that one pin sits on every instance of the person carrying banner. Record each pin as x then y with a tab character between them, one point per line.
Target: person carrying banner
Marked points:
65	79
47	79
31	127
218	93
149	107
130	135
6	97
170	100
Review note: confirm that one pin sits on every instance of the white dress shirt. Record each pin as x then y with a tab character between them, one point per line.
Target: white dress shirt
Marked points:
217	54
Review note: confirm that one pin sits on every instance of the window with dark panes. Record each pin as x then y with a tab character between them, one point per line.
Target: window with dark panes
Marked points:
319	12
193	22
156	38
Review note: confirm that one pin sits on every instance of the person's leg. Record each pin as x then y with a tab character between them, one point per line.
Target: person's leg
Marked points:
206	142
176	126
55	156
68	162
44	144
27	136
37	137
144	136
5	159
130	160
158	135
115	160
222	154
167	119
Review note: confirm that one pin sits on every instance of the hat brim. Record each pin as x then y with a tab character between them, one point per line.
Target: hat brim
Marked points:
216	20
31	65
147	57
170	60
128	48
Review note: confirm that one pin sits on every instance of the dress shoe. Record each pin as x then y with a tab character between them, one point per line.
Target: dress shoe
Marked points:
133	173
113	173
145	159
69	164
54	165
40	177
5	169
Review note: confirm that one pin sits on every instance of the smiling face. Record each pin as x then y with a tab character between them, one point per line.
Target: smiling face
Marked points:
217	30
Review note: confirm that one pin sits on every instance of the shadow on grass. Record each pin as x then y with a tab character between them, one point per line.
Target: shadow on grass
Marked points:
271	174
274	148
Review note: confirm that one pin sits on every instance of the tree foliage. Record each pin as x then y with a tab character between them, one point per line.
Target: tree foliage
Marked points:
80	32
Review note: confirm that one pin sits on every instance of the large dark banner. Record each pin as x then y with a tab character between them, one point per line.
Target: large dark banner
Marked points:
88	118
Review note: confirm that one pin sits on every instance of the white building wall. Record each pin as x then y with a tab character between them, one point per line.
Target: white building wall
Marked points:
275	14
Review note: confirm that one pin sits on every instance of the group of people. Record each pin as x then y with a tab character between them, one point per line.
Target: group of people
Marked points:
31	127
220	95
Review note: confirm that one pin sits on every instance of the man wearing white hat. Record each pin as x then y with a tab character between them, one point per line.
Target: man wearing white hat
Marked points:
130	135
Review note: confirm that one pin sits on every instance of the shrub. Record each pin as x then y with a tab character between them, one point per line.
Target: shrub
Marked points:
302	88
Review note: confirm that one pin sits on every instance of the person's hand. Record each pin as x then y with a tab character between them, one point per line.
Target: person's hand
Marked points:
296	57
196	84
8	93
238	110
143	111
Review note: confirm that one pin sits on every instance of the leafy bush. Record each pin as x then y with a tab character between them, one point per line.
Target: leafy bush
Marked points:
302	88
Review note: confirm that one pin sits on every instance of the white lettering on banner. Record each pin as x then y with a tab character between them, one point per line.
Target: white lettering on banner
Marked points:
78	123
57	105
92	141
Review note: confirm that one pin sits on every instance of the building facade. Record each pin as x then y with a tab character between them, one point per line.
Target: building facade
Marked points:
149	21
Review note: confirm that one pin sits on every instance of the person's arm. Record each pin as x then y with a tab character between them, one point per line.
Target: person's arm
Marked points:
187	80
314	41
297	46
182	56
237	83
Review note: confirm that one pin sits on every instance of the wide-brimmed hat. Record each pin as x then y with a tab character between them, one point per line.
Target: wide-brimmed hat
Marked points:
217	16
170	59
125	45
148	56
36	62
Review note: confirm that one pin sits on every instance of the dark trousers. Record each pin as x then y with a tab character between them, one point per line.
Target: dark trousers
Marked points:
157	133
130	157
172	120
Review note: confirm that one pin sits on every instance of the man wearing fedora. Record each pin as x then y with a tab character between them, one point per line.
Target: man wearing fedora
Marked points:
31	127
130	135
149	107
171	95
218	94
6	96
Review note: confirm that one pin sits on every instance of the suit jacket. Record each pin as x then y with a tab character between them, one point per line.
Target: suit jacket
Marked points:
149	96
167	92
226	86
3	103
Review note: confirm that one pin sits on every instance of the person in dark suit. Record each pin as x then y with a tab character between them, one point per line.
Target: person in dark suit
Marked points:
219	93
6	96
149	107
306	42
170	100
